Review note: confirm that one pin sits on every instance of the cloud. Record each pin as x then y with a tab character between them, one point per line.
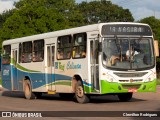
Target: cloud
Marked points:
141	8
6	5
142	12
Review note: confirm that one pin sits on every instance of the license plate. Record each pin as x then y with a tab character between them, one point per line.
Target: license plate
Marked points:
132	90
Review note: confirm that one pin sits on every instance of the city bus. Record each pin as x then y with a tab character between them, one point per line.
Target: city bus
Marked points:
116	58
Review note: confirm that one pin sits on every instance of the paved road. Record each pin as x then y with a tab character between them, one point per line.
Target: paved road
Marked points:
14	101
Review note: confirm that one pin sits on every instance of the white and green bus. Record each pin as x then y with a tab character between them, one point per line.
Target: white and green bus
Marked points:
107	58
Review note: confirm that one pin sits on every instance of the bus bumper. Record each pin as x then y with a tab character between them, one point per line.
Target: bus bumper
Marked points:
110	87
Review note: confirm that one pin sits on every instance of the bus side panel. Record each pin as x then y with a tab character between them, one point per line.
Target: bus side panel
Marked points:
38	82
14	77
6	77
20	78
35	73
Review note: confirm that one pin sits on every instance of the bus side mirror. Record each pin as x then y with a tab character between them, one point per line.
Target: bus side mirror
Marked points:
156	48
100	46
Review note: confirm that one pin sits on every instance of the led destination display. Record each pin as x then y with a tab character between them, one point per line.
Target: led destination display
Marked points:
119	29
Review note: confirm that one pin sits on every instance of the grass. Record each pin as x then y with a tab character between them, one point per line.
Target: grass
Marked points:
158	81
0	81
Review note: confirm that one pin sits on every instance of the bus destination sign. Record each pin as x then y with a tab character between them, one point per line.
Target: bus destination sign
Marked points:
128	29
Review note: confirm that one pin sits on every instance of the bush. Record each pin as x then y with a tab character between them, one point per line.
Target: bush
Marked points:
158	81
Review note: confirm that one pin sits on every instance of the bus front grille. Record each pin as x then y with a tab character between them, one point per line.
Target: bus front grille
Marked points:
132	80
131	86
138	74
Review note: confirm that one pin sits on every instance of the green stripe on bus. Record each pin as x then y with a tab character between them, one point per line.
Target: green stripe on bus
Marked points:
20	67
68	83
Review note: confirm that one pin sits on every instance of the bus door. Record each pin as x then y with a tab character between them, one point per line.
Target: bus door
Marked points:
50	76
14	70
94	60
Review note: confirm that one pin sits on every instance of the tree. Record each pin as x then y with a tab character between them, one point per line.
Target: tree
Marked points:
155	25
4	16
39	16
104	11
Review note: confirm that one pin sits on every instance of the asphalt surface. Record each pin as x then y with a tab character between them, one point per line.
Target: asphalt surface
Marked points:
54	105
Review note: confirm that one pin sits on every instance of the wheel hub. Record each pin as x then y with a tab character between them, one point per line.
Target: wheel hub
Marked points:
27	89
80	91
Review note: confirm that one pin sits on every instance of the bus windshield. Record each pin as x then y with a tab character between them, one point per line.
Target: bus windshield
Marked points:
128	53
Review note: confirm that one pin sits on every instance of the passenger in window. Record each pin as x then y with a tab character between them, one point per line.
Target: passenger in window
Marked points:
68	54
83	54
29	57
130	53
112	56
60	55
23	58
42	57
77	53
34	57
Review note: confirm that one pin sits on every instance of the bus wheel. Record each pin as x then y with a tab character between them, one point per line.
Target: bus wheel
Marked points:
79	93
28	90
125	96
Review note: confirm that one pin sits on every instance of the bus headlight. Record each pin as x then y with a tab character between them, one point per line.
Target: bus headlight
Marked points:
110	79
150	78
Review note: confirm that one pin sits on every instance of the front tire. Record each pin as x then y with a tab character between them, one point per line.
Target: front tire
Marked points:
124	97
79	93
28	90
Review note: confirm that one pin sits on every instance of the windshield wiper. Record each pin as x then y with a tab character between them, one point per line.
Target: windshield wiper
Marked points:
118	44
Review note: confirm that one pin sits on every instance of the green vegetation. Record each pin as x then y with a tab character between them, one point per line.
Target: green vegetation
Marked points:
155	25
39	16
158	82
0	81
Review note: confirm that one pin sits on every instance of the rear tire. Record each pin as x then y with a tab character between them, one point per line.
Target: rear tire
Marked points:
124	97
79	93
28	90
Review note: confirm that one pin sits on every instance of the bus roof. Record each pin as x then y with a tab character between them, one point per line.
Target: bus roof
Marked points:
87	28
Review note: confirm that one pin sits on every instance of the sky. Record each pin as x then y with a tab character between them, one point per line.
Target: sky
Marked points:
139	8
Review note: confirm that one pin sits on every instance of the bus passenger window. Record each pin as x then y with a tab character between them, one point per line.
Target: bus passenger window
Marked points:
38	51
64	47
27	52
79	45
6	54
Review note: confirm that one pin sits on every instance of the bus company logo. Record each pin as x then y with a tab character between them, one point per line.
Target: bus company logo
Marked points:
131	80
5	72
58	65
71	65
